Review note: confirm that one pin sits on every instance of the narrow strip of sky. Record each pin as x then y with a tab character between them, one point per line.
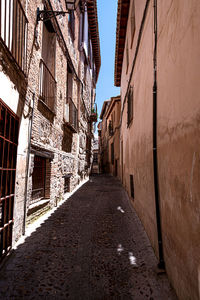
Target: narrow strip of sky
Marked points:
107	17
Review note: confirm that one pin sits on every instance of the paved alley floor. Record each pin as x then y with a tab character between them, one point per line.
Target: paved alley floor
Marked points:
92	247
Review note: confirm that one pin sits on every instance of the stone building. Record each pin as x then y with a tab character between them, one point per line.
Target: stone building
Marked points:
49	62
109	133
103	141
157	67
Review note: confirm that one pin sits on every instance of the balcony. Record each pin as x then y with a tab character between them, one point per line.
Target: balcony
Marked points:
13	31
71	115
94	115
47	87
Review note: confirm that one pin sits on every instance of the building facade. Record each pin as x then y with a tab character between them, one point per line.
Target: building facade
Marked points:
49	63
157	67
109	133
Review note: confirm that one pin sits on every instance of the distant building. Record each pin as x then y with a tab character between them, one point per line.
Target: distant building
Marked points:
157	67
49	67
109	132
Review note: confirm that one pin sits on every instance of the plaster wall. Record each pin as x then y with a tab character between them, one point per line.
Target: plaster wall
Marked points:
136	155
178	133
179	143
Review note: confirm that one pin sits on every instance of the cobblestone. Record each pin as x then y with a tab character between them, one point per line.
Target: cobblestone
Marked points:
92	247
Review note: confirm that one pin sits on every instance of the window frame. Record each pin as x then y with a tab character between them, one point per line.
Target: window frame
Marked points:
130	103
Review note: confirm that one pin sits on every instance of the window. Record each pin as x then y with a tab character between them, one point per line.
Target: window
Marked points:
127	57
70	110
9	125
67	183
47	66
41	179
132	22
95	158
67	140
85	33
130	106
132	186
71	23
13	30
112	153
69	83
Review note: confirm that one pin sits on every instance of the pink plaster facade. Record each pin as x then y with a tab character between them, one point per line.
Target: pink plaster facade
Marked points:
178	131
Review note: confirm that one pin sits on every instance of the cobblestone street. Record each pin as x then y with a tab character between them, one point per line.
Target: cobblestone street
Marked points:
92	247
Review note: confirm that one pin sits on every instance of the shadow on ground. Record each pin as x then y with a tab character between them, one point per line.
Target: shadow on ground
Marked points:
92	247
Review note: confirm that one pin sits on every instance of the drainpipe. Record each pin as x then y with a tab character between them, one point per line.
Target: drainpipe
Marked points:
161	264
27	166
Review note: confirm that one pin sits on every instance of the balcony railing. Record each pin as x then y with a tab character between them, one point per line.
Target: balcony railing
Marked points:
13	30
94	115
47	86
71	115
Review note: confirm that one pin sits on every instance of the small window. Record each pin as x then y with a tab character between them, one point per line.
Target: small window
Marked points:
132	186
130	106
67	140
132	22
67	184
41	179
127	57
69	83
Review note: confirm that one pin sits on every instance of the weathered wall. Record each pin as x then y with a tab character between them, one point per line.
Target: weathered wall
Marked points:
178	136
13	89
137	138
178	141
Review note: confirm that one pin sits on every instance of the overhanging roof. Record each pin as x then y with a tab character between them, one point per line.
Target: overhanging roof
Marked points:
122	19
94	31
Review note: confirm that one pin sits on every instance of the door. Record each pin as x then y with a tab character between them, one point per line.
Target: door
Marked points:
9	124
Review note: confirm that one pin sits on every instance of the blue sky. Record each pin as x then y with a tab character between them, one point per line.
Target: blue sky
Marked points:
107	16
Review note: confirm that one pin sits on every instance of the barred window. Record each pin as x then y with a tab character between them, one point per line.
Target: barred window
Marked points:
130	106
13	30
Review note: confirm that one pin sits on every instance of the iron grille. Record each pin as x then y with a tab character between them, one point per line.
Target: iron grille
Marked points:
9	124
71	114
13	30
47	86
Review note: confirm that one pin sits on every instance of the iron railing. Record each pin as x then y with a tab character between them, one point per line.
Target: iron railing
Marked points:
71	114
94	115
13	30
47	86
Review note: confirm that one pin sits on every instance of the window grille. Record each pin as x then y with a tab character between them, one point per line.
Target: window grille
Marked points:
47	86
71	115
130	106
38	178
9	124
13	30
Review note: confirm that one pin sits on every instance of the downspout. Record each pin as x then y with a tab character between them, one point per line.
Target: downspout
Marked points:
161	263
27	166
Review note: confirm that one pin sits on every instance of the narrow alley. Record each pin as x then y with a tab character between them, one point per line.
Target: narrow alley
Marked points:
92	247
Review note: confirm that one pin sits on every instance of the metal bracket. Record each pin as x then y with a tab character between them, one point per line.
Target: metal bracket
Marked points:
44	15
